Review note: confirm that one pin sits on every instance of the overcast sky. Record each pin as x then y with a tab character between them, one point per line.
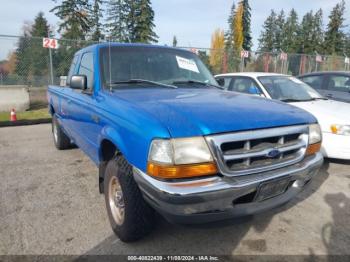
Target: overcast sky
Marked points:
192	21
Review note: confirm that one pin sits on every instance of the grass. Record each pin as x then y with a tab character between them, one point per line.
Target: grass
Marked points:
27	115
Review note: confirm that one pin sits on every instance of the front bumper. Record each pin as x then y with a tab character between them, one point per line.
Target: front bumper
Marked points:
219	198
336	146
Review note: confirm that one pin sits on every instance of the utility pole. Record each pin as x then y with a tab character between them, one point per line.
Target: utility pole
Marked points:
50	57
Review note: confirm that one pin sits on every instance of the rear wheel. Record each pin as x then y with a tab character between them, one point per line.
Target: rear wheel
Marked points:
130	216
60	139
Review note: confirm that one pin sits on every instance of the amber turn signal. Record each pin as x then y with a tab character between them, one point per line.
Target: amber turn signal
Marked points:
334	129
181	171
312	149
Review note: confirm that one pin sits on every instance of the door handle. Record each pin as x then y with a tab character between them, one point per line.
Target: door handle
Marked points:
95	118
329	95
69	101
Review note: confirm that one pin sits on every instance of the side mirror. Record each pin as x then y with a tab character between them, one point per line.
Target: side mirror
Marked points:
221	81
78	82
253	90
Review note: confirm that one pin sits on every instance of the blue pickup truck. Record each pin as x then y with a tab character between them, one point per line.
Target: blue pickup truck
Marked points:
167	139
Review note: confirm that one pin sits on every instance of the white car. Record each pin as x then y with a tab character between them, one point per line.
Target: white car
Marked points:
333	116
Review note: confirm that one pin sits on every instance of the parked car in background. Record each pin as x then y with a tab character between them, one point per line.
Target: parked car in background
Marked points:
165	137
333	85
333	116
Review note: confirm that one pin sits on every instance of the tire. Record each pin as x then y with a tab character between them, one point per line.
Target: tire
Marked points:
131	218
60	139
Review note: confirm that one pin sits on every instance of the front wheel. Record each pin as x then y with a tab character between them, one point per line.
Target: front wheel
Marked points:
130	216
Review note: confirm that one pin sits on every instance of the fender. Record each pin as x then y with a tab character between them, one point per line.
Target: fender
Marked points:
109	133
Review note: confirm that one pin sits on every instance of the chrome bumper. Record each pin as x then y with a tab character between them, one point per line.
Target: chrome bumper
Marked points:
217	198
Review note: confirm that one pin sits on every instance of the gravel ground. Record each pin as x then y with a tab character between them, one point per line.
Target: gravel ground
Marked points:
49	204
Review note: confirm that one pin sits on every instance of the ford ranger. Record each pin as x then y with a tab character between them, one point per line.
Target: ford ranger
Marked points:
167	139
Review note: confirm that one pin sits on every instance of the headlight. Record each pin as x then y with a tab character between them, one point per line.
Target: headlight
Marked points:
315	134
341	130
180	158
315	139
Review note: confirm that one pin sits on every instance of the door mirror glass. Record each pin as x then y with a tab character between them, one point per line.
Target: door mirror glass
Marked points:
78	82
221	81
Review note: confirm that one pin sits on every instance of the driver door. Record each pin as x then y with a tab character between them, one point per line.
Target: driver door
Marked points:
83	106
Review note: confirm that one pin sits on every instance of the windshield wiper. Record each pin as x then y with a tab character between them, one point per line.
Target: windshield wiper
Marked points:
319	98
195	82
295	100
142	81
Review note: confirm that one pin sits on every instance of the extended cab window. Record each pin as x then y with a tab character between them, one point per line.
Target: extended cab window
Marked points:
71	69
87	68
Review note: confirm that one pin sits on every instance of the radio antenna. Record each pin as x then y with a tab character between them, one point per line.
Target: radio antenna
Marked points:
110	64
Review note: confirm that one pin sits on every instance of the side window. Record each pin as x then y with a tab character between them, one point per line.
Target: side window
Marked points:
226	81
244	85
71	69
87	68
339	83
313	81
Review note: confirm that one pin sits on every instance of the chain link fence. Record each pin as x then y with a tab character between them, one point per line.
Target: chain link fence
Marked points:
28	63
228	61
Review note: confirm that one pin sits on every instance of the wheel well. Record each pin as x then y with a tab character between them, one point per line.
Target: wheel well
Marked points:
51	110
108	151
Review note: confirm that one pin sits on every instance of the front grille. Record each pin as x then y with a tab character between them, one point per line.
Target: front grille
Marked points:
249	152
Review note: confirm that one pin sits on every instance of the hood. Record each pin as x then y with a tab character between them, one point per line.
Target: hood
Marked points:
327	112
203	111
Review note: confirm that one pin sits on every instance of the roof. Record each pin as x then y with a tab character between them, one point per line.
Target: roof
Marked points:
326	73
251	74
115	44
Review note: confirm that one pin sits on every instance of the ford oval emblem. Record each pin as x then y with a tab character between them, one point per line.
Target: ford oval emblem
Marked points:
274	153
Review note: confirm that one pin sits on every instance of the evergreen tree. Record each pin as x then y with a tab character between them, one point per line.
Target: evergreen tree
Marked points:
317	33
267	36
75	19
305	34
279	33
144	16
39	56
347	44
32	59
131	21
174	41
117	20
40	27
334	36
231	53
96	16
23	61
290	43
247	38
230	32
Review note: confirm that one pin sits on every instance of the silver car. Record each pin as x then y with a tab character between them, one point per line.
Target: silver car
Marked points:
333	85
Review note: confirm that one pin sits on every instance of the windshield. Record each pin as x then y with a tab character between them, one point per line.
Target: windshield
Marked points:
120	64
288	88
